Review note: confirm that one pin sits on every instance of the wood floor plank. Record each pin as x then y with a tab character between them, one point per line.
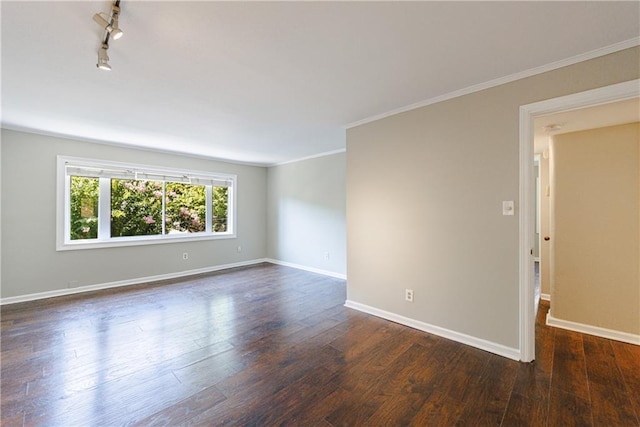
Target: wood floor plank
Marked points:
610	401
370	386
569	365
464	367
534	379
523	411
257	400
531	383
320	409
545	345
628	360
114	403
266	364
566	409
186	409
438	410
15	420
487	400
292	402
408	392
272	345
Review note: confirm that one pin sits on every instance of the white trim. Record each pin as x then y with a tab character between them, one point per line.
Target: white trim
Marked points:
305	268
604	95
503	80
593	330
526	232
545	297
315	156
63	242
499	349
128	282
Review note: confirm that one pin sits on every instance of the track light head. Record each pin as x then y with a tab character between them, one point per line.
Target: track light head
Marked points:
115	31
103	58
112	28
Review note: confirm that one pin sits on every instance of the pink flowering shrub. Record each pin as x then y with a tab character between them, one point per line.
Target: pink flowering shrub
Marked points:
136	208
186	208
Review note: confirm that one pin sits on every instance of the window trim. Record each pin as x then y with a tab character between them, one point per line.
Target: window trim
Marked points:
63	208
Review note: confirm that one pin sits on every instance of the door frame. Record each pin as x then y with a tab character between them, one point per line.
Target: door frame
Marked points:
603	95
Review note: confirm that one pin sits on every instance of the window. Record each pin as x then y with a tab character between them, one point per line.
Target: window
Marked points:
115	204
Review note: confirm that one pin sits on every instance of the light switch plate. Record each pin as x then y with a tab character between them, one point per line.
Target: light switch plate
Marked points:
508	207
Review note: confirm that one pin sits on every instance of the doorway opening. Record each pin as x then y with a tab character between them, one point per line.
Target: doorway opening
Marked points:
527	214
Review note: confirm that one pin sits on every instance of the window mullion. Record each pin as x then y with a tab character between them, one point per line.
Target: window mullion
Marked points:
164	207
231	208
104	209
67	208
208	197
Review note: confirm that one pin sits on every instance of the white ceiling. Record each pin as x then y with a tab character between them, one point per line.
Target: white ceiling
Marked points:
265	82
599	116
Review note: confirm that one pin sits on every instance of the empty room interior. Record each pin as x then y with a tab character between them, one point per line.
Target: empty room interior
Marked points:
320	213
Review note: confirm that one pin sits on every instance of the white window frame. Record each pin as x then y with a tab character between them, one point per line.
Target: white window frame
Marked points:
63	212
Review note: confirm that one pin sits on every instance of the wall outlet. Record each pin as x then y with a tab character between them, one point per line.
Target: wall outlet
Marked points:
408	295
327	256
185	255
73	284
239	249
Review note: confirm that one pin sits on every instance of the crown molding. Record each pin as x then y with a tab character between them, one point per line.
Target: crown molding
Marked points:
503	80
315	156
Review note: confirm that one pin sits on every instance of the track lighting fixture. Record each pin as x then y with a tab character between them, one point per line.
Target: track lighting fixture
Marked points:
111	30
103	58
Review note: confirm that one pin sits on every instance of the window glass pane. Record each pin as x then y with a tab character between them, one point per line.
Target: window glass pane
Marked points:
136	208
220	209
186	208
84	207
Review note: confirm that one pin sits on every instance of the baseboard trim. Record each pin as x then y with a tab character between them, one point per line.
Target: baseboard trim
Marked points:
128	282
545	297
499	349
593	330
305	268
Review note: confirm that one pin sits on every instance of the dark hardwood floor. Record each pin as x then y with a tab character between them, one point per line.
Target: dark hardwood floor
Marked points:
270	345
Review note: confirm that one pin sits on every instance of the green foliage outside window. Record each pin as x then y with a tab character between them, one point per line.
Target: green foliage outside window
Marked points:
84	208
186	208
136	208
220	209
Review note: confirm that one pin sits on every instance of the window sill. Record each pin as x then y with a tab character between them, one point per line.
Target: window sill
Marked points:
140	241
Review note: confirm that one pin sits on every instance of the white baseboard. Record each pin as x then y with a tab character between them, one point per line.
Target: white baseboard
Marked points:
593	330
499	349
545	297
310	269
136	281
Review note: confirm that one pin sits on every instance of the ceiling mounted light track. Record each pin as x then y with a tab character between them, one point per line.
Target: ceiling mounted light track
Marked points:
111	30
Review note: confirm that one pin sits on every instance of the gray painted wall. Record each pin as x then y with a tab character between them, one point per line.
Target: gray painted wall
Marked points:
424	194
30	263
306	213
